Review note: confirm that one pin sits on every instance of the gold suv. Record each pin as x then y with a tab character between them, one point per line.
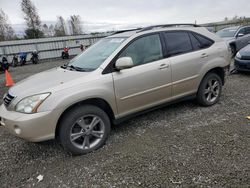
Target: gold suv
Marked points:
122	75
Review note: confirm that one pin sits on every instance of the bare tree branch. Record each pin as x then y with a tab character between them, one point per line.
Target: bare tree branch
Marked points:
6	31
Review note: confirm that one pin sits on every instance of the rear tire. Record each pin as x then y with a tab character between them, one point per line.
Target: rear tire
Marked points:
84	129
210	90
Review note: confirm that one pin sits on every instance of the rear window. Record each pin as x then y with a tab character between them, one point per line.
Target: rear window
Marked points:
195	42
205	42
177	43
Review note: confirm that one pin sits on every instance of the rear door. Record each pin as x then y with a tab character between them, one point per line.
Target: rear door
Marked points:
146	84
187	52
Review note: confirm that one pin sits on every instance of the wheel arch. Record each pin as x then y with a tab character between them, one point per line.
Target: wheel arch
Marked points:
98	102
233	45
217	70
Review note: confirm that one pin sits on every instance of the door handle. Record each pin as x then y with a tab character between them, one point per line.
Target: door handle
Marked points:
204	55
164	66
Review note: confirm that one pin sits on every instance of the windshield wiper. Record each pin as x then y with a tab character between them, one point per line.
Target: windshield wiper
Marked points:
64	66
77	68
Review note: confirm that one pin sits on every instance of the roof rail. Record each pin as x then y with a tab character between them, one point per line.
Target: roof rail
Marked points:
127	30
167	25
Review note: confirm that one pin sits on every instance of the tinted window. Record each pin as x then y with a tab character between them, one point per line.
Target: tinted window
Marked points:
177	43
242	31
144	50
247	30
204	41
196	44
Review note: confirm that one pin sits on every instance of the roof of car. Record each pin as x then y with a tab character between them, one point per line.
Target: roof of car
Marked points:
124	34
137	32
130	32
233	27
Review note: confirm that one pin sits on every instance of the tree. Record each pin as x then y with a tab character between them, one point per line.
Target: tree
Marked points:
51	30
32	20
235	18
6	31
60	27
45	30
48	31
75	24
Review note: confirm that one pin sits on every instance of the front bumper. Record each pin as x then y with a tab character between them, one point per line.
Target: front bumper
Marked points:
242	65
31	127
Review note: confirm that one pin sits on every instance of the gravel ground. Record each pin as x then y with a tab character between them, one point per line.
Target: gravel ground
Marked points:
177	146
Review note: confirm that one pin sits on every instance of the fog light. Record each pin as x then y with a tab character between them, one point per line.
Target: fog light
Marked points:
17	129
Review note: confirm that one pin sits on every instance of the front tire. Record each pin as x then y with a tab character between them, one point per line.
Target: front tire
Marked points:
210	90
84	129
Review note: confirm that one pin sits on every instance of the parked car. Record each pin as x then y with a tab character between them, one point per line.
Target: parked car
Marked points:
4	65
14	62
242	59
121	76
34	57
237	37
65	53
23	57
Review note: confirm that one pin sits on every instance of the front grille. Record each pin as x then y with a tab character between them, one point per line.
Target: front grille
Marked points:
245	57
7	99
244	66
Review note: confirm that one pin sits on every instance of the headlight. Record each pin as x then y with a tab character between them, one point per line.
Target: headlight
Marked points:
30	104
238	55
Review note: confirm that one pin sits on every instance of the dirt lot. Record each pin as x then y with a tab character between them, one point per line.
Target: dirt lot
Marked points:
177	146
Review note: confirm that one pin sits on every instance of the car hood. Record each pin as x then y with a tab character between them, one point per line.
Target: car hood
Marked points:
47	81
229	39
245	52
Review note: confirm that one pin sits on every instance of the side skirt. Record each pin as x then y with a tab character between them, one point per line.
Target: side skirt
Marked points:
120	120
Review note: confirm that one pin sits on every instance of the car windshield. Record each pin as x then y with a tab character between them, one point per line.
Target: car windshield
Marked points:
93	57
230	32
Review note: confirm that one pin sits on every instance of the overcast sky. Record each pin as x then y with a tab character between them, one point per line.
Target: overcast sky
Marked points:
129	13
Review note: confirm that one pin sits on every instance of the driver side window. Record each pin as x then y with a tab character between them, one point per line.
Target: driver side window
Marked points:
247	30
144	50
242	31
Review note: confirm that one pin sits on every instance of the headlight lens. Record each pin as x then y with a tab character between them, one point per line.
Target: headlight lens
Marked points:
30	104
238	55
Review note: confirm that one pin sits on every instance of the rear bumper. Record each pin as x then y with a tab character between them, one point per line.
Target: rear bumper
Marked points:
242	65
31	127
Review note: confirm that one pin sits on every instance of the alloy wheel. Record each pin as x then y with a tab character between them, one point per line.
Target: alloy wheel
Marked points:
87	132
212	90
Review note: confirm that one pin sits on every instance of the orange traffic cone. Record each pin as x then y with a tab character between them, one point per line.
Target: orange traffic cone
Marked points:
8	79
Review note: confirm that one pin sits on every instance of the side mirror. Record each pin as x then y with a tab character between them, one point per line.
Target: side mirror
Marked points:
124	63
240	35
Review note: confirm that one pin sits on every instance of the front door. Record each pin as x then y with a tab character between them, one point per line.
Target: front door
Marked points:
146	84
